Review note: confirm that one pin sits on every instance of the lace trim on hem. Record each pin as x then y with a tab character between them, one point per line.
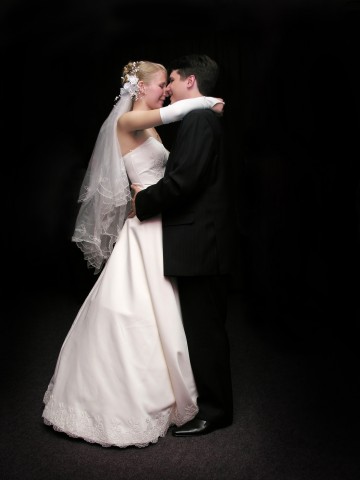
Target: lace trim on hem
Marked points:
80	424
98	442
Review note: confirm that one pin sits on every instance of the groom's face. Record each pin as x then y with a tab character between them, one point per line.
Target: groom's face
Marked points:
177	87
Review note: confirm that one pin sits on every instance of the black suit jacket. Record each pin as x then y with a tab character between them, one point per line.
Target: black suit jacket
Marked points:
193	198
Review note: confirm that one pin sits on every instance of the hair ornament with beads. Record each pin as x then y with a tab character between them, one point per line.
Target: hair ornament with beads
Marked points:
130	81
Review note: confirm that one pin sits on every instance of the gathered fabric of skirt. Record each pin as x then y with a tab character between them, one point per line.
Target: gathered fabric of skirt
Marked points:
123	375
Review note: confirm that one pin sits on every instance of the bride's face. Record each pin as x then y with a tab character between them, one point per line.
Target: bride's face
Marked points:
155	91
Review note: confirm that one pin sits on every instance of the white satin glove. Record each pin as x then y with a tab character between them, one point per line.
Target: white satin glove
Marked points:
178	110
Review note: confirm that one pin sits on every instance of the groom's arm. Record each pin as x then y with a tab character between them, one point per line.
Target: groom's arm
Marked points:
190	168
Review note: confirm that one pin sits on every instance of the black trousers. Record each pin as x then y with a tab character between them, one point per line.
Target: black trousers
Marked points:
203	301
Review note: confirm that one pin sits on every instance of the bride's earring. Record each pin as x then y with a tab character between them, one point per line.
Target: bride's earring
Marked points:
141	91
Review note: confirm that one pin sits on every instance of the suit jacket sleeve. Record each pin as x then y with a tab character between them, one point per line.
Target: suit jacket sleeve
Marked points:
188	166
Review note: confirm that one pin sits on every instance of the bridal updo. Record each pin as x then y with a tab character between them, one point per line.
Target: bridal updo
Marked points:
135	71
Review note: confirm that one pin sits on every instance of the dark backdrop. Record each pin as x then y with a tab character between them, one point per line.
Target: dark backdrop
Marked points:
290	82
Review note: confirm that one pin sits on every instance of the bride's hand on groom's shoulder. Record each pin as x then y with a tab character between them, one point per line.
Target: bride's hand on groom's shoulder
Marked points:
219	107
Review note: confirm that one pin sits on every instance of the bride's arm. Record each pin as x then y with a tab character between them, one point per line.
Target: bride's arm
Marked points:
141	119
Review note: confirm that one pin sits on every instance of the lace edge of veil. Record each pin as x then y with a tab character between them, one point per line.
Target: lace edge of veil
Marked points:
104	195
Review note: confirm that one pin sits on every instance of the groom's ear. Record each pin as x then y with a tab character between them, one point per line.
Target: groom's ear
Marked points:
190	81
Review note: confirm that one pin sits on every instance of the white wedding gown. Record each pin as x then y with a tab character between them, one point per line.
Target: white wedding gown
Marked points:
123	375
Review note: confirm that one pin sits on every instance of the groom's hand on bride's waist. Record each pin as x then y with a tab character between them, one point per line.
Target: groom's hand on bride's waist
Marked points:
135	188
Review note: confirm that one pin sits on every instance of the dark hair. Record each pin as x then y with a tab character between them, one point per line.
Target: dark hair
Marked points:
204	68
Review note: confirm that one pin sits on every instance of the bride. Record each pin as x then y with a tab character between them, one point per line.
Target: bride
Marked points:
123	374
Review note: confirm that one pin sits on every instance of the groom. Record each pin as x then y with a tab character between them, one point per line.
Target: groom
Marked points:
193	200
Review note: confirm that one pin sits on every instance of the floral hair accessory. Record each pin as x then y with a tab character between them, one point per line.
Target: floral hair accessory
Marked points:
131	86
130	82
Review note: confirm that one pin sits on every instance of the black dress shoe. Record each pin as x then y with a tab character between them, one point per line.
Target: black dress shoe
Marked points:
195	427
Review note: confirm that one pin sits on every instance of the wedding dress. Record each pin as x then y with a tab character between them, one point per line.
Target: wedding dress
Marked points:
123	375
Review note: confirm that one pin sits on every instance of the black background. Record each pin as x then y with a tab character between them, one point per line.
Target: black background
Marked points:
289	76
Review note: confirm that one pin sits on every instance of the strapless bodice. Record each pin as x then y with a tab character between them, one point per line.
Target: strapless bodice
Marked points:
145	164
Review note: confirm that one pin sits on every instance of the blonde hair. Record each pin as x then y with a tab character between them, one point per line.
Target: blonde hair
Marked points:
142	69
